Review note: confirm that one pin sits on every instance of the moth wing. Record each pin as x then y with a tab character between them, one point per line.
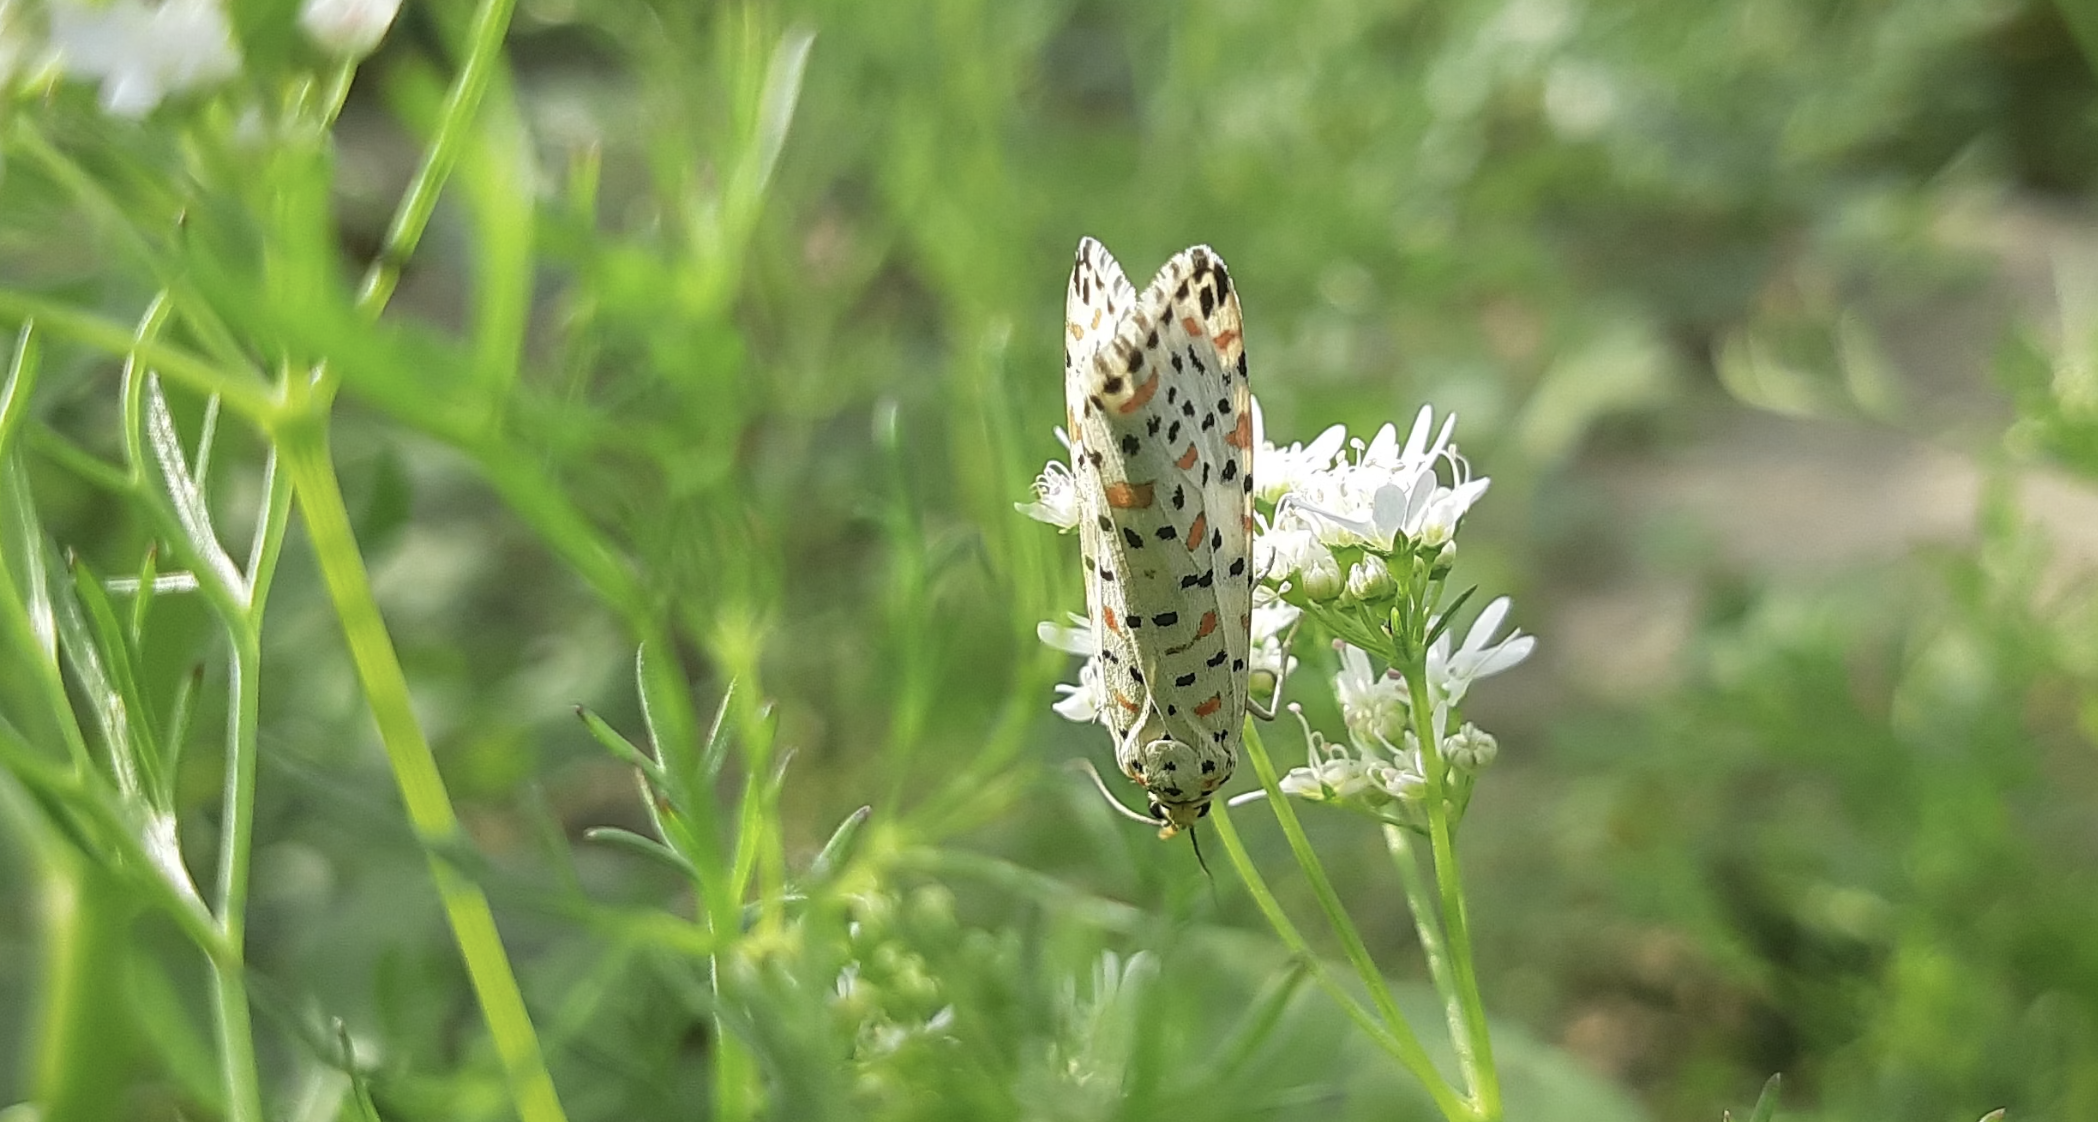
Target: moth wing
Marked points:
1162	408
1203	302
1098	298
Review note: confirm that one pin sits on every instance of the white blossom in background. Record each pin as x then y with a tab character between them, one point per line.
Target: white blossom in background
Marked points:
347	28
1055	494
140	52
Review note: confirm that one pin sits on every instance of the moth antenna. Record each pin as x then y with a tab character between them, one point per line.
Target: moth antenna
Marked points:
1194	838
1100	785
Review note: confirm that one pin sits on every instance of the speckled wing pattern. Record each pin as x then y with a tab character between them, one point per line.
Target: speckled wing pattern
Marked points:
1161	445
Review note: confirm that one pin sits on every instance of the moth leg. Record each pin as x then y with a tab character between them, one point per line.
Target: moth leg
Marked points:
1100	784
1274	704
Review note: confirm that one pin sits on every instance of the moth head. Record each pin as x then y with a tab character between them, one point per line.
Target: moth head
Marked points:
1178	779
1175	817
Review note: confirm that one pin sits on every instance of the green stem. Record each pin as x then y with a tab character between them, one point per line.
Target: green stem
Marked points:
87	794
243	390
231	1013
84	1042
1401	1044
304	448
483	49
1474	1044
231	1016
1420	900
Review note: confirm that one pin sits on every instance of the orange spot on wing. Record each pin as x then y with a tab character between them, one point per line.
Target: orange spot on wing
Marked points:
1191	325
1139	396
1186	461
1107	619
1129	496
1214	703
1196	532
1124	702
1242	436
1209	624
1225	338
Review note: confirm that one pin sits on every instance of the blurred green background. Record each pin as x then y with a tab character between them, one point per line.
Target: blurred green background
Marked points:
1775	324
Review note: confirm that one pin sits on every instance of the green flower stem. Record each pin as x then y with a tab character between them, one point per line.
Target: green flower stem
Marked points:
1474	1045
1399	1041
1352	944
1420	900
231	1014
303	444
231	1017
238	605
87	913
484	47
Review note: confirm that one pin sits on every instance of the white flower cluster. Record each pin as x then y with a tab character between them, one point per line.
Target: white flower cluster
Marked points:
141	53
1340	495
1381	763
1341	519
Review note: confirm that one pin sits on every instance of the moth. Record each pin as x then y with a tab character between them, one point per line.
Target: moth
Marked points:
1161	427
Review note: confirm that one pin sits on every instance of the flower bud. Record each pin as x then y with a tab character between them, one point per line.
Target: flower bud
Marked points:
1320	577
1369	579
1401	784
1470	748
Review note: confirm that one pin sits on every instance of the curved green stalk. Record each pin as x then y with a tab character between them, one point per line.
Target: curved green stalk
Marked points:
304	447
1352	944
1397	1038
484	47
1475	1044
1420	901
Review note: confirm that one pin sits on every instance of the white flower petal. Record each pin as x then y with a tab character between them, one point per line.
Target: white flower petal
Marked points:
1077	638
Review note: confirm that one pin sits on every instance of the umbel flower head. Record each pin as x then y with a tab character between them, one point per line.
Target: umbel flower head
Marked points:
1342	508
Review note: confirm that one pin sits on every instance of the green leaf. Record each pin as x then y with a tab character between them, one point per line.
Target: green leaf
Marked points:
776	107
646	847
19	387
620	746
120	704
1448	616
1766	1103
844	842
187	499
